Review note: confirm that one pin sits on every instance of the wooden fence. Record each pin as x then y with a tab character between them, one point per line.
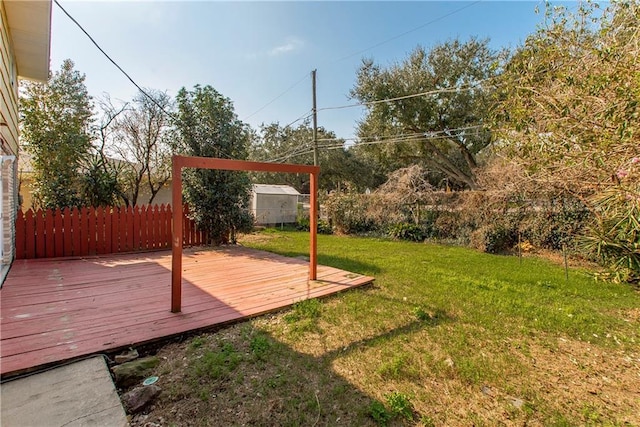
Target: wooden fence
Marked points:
96	231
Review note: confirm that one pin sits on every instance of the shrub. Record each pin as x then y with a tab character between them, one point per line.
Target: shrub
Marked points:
400	405
614	235
304	224
496	238
551	229
348	213
406	231
379	413
324	227
447	225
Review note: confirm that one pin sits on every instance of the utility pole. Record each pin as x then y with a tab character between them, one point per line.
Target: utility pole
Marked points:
315	119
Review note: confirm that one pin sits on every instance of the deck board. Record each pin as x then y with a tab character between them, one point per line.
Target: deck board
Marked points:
55	310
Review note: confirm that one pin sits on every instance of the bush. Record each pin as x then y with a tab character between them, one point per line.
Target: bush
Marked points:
324	227
406	231
550	230
400	405
614	235
494	239
348	213
379	413
304	224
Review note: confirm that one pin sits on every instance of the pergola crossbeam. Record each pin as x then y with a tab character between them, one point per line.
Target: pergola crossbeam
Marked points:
179	162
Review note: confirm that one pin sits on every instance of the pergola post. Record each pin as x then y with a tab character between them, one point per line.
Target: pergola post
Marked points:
313	227
179	162
176	237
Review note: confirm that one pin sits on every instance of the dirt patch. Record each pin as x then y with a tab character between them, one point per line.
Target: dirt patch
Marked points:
557	258
255	237
600	385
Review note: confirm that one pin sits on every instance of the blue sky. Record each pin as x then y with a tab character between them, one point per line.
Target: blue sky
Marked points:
252	52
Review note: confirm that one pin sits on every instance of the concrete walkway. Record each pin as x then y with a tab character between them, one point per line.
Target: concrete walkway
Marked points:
78	394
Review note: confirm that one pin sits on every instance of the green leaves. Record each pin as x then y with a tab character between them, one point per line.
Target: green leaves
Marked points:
341	167
567	111
208	126
55	124
456	73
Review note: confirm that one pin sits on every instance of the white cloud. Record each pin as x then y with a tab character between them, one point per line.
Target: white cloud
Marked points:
292	44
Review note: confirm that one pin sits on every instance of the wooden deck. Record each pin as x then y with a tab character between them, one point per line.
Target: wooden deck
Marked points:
58	309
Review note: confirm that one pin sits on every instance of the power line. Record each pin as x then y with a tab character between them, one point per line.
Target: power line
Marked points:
115	63
303	117
338	143
433	21
277	97
402	135
362	51
359	52
451	89
288	154
399	98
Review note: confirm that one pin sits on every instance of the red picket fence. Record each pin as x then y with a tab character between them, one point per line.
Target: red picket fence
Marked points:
96	231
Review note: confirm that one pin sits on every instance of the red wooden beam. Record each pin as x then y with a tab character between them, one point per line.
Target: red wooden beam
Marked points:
176	241
179	162
313	227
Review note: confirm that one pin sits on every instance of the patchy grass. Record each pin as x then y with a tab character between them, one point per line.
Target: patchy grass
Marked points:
447	336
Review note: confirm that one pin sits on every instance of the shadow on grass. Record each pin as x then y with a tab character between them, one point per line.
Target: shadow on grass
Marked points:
246	376
429	320
348	264
315	375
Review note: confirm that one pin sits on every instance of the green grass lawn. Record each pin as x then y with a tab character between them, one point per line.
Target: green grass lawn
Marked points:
445	336
498	294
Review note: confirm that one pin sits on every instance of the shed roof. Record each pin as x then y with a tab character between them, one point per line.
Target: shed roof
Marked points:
275	189
29	25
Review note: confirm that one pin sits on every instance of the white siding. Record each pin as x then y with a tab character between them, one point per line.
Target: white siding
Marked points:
274	204
8	138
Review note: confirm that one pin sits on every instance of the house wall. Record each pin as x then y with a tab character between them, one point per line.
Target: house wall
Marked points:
163	197
8	137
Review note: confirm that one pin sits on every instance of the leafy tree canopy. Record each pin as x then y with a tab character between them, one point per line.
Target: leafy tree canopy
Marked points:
570	103
340	168
443	130
56	130
207	126
570	98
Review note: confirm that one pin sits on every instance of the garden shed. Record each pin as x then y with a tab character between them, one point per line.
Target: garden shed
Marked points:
274	204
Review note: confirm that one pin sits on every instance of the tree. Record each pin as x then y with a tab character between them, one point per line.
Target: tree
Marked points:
444	130
340	168
568	112
569	98
55	123
207	126
99	184
140	137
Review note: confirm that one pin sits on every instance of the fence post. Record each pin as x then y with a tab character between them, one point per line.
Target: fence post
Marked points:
49	240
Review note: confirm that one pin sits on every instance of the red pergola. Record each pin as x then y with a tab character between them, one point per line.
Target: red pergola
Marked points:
179	162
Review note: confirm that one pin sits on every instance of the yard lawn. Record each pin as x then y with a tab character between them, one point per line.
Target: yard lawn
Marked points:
445	336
